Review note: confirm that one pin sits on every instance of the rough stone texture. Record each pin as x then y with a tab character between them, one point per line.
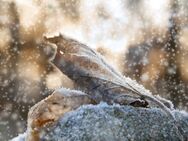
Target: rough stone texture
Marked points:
117	123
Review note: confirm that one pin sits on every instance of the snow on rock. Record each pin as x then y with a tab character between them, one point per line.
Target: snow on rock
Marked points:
69	92
116	123
20	137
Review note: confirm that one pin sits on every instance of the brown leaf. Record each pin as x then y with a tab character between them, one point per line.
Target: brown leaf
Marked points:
92	74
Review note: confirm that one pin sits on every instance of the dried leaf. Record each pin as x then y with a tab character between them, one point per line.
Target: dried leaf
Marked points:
48	111
92	74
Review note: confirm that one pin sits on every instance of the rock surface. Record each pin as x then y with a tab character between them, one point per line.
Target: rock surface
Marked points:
116	123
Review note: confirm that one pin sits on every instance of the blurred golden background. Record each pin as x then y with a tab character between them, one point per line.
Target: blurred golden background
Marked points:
143	39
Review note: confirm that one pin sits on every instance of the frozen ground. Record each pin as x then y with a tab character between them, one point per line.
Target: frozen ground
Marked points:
113	123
